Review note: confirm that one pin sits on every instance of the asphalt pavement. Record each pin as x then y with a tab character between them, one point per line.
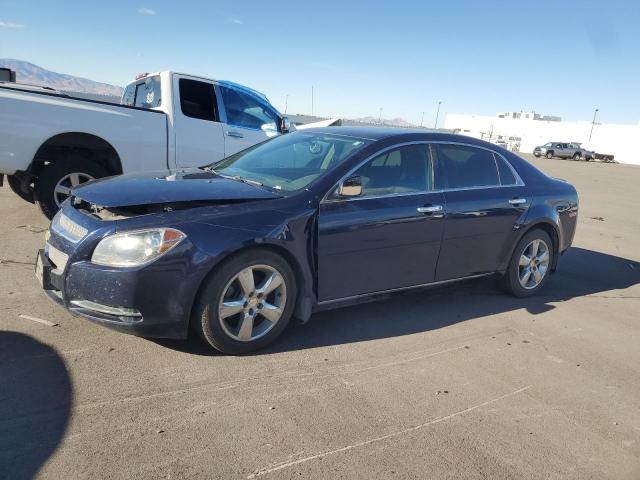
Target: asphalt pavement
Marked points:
459	382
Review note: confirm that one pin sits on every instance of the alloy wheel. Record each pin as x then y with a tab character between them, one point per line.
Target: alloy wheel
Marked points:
63	188
252	303
533	264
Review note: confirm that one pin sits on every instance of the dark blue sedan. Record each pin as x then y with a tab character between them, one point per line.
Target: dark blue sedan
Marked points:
307	221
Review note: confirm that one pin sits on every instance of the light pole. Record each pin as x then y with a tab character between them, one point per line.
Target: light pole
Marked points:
437	113
286	103
422	119
380	116
312	100
593	122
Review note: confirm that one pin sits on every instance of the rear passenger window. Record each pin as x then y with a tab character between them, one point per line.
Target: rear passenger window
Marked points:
401	170
506	175
197	99
467	167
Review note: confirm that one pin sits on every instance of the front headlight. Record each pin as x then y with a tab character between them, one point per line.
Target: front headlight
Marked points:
130	249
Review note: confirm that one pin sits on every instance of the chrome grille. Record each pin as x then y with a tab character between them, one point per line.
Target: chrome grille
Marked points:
67	228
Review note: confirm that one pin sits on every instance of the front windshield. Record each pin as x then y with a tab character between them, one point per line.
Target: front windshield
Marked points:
290	162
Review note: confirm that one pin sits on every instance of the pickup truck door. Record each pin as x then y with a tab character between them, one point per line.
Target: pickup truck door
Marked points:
247	119
199	134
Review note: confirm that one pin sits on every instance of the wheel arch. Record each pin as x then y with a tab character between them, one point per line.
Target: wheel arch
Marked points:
304	302
55	147
550	229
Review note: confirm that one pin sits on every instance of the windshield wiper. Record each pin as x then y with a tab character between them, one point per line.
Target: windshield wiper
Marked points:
248	181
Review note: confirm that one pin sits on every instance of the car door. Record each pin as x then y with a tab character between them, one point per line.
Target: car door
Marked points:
484	200
199	137
389	236
247	119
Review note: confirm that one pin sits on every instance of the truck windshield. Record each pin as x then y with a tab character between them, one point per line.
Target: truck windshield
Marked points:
290	162
144	93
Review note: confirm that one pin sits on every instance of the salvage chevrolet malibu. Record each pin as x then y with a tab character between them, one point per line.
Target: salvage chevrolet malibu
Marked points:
304	222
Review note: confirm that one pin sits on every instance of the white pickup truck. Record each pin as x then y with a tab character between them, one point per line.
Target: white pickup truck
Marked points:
50	142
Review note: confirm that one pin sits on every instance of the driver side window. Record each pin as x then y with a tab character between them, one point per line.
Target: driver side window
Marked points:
245	111
401	170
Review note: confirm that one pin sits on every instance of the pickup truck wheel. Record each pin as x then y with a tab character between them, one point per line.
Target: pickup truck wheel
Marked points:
246	303
549	155
54	183
577	157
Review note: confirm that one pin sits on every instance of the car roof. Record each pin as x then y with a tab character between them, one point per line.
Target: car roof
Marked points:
403	134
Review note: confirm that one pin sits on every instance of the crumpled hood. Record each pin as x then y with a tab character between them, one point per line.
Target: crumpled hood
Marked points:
166	187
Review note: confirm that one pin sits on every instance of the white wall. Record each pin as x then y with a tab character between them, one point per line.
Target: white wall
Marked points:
623	141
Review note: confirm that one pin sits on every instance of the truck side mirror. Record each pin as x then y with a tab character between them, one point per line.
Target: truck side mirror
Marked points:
285	125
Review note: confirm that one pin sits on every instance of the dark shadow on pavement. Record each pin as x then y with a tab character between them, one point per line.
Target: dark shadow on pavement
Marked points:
35	404
580	273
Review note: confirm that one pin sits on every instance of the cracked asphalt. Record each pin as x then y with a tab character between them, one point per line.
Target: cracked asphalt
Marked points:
459	382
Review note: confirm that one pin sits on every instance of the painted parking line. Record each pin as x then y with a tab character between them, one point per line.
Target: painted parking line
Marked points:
275	468
39	320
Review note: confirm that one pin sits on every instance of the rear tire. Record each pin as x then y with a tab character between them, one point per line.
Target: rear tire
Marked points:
238	310
529	268
50	186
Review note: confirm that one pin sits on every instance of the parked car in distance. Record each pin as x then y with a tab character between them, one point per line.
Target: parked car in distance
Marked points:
564	150
304	222
51	142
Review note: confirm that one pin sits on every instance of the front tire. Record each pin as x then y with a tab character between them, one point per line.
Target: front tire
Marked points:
577	157
56	180
530	264
549	155
246	303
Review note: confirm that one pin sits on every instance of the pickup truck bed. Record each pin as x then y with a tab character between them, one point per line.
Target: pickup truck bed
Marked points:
126	129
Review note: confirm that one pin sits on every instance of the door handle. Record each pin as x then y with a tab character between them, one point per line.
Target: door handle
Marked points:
434	209
235	134
517	201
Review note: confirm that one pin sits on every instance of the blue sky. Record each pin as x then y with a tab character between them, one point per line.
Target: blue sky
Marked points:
556	57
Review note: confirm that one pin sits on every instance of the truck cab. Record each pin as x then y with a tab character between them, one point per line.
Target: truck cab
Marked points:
209	119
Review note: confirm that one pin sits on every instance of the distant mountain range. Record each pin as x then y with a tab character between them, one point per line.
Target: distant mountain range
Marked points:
34	75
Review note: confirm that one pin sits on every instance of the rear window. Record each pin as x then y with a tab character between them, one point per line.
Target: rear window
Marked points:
143	94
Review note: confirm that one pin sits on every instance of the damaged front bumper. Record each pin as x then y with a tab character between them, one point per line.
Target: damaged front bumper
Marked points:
153	300
114	298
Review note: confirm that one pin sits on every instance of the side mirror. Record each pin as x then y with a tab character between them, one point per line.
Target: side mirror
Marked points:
285	125
351	187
